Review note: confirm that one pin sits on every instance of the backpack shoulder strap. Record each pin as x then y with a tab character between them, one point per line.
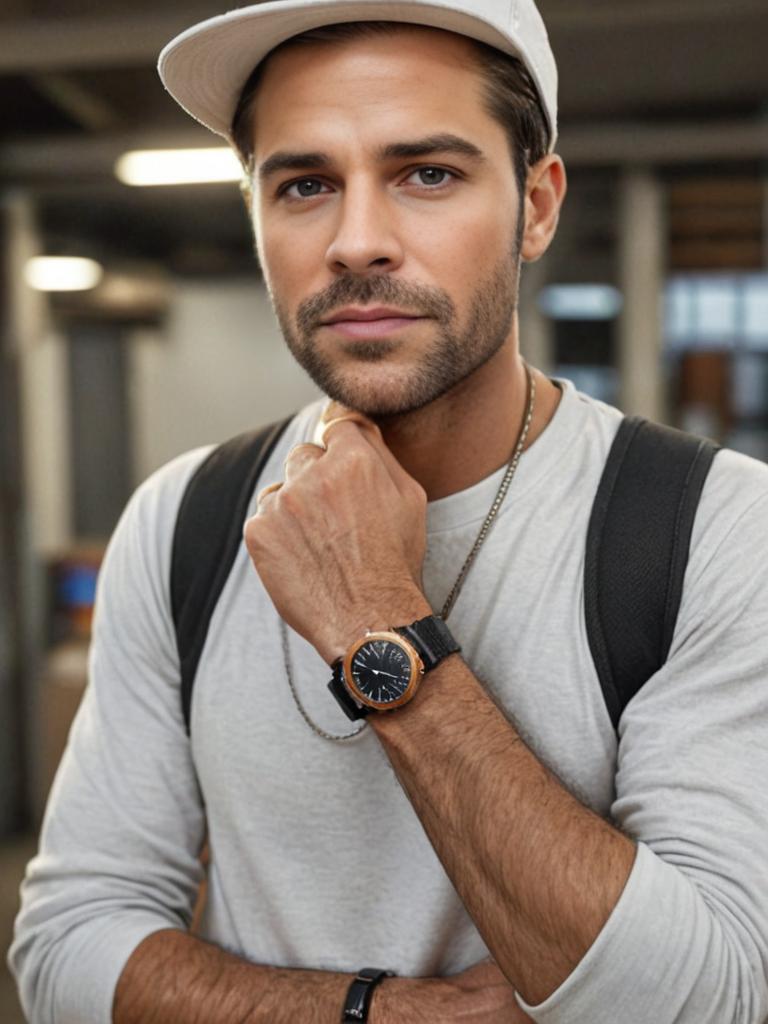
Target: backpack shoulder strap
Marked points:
206	540
637	550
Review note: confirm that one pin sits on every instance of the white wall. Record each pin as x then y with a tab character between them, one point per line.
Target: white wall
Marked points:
219	367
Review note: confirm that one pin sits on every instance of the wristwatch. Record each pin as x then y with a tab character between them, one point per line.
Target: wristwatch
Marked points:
382	671
360	993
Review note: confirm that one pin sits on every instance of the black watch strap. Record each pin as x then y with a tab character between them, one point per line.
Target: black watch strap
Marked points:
360	993
349	706
431	638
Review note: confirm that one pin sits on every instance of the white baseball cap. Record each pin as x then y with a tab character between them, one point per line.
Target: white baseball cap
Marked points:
206	67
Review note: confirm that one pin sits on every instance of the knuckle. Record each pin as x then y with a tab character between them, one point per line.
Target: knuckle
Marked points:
290	501
252	534
327	488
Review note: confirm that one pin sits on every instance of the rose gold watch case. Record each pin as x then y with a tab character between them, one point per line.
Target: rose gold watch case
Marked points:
415	662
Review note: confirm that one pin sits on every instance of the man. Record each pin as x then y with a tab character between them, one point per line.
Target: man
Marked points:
487	838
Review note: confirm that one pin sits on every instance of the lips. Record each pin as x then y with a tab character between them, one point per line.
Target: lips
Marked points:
368	324
357	315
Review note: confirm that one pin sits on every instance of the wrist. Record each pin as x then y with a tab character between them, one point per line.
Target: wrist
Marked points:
362	988
398	999
401	609
383	670
438	706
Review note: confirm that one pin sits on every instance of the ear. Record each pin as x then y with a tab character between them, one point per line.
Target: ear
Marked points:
544	194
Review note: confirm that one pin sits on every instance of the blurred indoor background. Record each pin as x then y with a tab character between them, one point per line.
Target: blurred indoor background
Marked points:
654	296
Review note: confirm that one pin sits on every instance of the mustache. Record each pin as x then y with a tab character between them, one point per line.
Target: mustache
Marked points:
352	290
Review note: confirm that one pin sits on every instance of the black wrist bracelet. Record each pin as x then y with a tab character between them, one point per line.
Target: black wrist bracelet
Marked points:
360	992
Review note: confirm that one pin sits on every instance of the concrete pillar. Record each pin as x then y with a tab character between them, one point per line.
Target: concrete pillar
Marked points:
38	361
642	261
42	356
11	513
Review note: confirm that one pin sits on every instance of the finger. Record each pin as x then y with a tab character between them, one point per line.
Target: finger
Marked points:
334	409
331	411
300	457
335	412
358	428
347	417
264	495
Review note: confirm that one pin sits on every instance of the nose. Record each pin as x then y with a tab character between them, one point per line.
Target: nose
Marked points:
365	238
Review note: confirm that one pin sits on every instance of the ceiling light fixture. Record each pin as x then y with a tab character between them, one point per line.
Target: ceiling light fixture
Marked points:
178	167
62	273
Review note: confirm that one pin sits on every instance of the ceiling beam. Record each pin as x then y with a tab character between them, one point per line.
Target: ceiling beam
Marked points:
91	160
84	106
83	158
74	43
721	141
605	14
71	42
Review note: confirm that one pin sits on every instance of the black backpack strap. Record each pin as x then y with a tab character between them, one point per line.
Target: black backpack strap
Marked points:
208	535
637	551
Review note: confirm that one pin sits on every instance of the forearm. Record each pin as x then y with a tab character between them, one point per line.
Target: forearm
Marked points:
538	872
174	978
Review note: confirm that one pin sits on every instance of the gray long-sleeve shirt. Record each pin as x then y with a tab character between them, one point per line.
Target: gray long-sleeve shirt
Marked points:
318	860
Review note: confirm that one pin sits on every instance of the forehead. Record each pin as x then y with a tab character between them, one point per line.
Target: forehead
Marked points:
410	79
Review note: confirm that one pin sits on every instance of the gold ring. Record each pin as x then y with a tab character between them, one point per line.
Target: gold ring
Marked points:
269	489
353	417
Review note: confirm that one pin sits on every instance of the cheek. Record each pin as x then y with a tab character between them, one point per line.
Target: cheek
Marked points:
456	256
290	260
280	267
476	234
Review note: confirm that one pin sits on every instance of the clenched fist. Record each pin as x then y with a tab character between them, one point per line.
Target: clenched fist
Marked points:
340	545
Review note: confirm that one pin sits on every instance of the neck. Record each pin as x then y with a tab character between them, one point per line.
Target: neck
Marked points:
469	433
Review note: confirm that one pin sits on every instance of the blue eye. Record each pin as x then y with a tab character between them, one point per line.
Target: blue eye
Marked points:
432	175
307	188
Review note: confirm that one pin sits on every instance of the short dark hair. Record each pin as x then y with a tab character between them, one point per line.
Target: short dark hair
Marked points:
511	95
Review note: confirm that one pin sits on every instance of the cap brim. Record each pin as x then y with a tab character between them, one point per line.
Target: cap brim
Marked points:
206	67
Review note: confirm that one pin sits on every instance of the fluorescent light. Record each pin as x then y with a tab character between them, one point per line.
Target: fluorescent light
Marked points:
580	301
178	166
62	273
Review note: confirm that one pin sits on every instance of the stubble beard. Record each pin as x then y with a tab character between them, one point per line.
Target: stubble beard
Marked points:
453	356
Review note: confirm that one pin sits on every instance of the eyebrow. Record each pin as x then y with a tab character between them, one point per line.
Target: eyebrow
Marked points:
431	144
445	143
292	162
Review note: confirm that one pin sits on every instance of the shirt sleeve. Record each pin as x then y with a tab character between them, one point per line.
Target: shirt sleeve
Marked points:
122	834
687	942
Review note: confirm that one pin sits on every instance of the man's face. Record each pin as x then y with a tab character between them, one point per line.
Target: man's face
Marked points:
384	189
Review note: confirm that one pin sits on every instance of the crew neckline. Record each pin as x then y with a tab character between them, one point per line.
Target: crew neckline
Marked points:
472	504
537	462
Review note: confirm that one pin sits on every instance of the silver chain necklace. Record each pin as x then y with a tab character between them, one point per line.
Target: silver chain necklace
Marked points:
456	589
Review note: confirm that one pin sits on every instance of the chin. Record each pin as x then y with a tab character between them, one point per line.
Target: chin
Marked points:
388	396
372	402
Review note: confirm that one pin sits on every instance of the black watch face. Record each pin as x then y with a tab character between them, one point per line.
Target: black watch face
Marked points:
381	671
